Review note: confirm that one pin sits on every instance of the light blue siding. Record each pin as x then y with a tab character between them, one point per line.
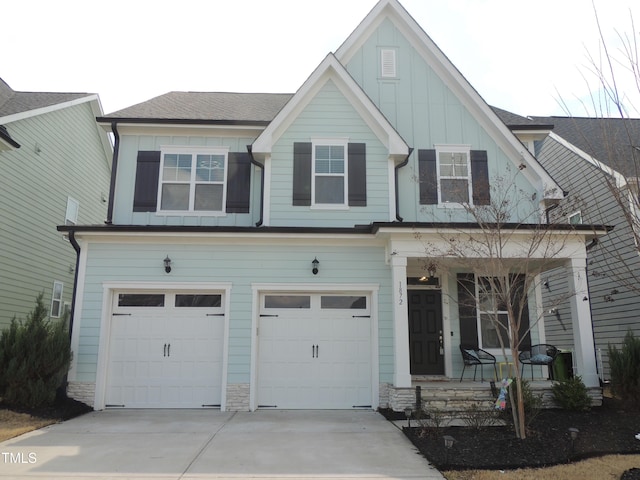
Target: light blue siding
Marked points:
425	112
330	115
242	265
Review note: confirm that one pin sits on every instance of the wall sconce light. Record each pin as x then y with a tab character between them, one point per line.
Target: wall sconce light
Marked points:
315	264
546	284
167	264
431	270
553	311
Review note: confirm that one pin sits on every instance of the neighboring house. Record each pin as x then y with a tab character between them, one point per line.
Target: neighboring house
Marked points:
596	161
268	251
55	164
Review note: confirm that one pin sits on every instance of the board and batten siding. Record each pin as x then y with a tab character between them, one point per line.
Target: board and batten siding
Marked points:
425	112
242	263
614	308
328	115
126	177
61	156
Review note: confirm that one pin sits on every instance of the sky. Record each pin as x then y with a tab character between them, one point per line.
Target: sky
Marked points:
531	58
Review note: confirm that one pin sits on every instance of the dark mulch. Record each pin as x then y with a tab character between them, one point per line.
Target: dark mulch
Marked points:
609	429
63	408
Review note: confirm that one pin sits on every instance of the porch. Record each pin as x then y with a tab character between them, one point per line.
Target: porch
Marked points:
451	395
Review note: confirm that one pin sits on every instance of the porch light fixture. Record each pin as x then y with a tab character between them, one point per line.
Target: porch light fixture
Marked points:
431	270
315	264
167	264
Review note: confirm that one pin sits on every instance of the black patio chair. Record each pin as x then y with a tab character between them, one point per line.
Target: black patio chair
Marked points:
474	356
542	354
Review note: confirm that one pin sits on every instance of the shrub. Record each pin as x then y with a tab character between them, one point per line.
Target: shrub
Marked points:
478	417
532	402
571	394
34	358
624	366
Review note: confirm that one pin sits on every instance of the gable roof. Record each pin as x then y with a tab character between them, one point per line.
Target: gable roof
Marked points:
204	107
517	123
613	141
331	69
455	81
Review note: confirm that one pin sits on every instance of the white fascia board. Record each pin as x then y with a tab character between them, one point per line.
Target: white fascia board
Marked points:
150	128
619	178
458	84
331	69
51	108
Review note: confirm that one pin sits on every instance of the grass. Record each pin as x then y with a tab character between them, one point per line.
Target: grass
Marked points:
13	424
601	468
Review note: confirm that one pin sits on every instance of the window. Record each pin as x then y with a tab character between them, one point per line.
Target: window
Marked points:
287	301
141	300
56	300
575	218
454	175
329	173
199	300
343	302
192	180
71	216
388	63
494	319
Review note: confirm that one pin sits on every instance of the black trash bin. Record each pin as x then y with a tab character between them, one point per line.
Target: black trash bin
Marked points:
562	367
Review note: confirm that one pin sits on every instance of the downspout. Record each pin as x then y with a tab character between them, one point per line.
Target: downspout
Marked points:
397	167
76	247
114	169
254	162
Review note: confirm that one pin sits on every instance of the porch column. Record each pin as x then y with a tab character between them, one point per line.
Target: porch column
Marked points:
401	369
584	349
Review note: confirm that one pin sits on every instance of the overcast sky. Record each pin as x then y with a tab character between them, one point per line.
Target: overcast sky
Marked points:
523	56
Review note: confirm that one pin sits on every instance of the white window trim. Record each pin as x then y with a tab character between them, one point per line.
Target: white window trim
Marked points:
73	209
57	300
480	312
452	148
344	142
576	213
174	149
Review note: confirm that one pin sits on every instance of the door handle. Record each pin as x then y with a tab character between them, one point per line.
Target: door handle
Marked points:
441	340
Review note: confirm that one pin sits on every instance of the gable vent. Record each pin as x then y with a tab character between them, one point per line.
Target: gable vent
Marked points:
388	62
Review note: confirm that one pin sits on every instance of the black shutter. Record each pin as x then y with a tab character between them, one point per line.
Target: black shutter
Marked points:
518	292
467	310
480	177
302	173
357	175
145	195
428	177
238	182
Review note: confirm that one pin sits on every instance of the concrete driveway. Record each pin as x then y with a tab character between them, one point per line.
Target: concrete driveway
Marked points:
198	444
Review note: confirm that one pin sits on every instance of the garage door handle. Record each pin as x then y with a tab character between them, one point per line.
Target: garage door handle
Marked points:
168	350
315	349
165	350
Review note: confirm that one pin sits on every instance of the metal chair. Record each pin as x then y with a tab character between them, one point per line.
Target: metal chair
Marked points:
542	354
474	356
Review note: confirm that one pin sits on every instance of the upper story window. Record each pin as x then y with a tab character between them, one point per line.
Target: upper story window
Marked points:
330	181
193	180
575	218
454	175
71	215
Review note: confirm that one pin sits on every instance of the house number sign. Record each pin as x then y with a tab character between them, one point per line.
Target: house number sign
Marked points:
400	300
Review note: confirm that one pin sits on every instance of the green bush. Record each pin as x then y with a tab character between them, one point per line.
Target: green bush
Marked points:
624	365
34	358
571	394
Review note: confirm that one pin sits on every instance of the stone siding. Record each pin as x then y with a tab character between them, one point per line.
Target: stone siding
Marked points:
82	391
237	397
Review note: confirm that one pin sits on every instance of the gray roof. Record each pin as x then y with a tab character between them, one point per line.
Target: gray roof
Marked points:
516	122
206	106
12	102
612	141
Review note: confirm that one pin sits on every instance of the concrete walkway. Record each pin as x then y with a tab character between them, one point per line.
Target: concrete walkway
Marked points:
198	444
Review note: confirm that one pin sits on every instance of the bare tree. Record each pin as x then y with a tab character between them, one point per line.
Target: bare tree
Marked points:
506	247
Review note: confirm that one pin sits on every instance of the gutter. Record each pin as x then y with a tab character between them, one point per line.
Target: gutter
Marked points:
261	167
397	167
76	247
114	170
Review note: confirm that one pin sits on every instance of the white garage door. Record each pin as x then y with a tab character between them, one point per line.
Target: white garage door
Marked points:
165	350
314	351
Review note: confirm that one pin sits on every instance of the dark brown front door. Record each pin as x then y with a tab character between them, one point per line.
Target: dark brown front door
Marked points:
426	347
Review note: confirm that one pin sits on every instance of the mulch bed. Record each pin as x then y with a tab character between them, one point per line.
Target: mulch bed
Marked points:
609	429
63	409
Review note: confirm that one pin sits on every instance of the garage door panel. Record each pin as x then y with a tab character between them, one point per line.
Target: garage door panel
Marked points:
165	357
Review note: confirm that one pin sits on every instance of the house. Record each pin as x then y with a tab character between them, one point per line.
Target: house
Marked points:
596	161
268	250
55	170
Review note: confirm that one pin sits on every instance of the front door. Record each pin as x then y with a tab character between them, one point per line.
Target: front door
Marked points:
426	340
